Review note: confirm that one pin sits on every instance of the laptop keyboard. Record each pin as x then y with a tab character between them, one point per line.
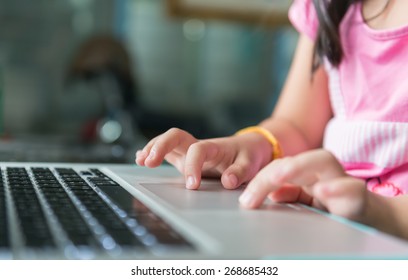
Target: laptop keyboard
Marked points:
77	213
4	236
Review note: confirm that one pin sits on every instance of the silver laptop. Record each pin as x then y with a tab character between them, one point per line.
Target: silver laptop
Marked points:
76	211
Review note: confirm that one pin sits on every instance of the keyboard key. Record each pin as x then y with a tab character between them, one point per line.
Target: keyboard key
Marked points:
68	216
4	236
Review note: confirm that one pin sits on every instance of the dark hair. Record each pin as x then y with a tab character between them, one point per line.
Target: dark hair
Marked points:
328	43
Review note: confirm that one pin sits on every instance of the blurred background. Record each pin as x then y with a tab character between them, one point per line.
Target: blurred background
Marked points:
94	80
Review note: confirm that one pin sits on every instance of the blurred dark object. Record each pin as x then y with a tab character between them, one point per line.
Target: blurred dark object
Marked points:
104	63
103	55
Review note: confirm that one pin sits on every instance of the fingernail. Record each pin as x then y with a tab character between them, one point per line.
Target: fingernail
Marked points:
233	180
190	183
141	153
152	154
247	199
138	153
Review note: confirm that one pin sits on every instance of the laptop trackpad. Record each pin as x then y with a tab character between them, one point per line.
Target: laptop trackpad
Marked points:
211	195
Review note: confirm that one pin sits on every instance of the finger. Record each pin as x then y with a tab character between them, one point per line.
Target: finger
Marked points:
290	194
307	168
140	157
345	196
265	182
241	171
174	139
197	155
303	170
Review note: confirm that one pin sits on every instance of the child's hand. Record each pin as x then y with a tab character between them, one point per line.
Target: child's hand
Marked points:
314	178
236	159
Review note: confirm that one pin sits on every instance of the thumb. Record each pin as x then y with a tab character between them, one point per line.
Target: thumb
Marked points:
241	171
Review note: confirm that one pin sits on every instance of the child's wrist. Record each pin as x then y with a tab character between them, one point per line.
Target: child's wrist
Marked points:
277	151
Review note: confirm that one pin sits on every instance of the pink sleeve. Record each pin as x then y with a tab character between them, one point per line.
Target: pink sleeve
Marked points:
302	15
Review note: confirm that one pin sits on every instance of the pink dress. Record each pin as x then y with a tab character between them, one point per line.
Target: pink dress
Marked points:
369	97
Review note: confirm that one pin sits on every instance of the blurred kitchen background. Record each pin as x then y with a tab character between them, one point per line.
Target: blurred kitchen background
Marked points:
93	80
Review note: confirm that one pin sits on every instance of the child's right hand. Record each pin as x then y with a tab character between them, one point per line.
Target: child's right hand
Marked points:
235	159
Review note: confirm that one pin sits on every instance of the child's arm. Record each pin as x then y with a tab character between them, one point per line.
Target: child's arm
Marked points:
303	109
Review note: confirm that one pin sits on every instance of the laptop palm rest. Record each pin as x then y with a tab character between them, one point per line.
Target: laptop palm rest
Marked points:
274	230
212	215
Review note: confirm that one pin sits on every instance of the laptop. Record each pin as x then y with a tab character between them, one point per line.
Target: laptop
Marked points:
81	211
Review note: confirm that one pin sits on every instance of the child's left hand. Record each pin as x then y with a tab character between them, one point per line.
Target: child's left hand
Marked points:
314	178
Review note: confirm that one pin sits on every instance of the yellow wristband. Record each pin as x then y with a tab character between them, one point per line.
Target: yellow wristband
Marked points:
277	150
